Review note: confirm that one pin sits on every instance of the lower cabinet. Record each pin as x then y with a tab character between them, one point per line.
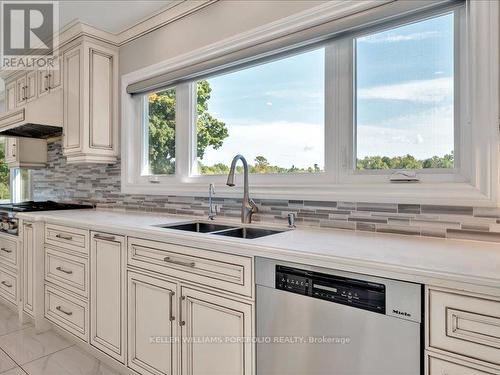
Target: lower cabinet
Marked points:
437	366
227	322
107	294
28	268
152	325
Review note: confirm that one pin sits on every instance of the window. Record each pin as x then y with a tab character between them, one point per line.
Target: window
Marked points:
334	120
273	114
4	175
159	133
405	96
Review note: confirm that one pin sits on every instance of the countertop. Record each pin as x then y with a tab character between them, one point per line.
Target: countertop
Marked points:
463	264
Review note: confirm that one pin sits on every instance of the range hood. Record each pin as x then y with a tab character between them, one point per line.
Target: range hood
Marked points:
40	118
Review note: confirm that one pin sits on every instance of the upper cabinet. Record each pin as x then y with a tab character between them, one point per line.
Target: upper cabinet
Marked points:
90	101
49	79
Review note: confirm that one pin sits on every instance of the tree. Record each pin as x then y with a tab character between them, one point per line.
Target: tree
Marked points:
210	131
4	174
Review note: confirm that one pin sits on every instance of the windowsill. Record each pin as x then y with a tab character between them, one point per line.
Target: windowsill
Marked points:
450	193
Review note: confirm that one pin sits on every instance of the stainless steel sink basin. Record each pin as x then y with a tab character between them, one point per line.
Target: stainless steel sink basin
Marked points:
248	233
197	226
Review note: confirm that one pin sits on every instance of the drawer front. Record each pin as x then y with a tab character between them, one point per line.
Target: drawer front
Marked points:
437	366
465	325
8	286
228	272
67	312
66	270
67	238
8	252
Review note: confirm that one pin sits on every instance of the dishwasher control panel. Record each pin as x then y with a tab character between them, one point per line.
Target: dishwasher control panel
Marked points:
361	294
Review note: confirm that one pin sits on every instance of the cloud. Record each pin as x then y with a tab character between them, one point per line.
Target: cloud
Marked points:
282	143
392	37
422	134
422	91
269	103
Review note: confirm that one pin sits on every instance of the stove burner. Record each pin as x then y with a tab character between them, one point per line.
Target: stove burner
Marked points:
9	223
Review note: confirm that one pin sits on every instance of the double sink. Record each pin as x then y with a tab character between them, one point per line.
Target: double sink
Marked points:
222	230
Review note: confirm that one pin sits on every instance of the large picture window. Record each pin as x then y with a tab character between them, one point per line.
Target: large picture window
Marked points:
347	117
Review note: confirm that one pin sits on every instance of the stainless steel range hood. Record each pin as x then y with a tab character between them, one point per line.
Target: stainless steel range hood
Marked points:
40	118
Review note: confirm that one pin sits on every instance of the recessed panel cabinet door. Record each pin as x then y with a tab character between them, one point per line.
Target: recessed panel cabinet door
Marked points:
207	316
107	294
10	96
72	98
28	268
151	325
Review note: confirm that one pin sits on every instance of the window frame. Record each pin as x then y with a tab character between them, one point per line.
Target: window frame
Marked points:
348	172
473	182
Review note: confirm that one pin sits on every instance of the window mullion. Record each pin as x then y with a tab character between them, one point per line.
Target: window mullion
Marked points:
183	130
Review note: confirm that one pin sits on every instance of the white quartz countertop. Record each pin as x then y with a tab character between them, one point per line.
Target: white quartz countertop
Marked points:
418	259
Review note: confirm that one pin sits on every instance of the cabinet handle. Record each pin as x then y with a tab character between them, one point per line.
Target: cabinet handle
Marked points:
28	225
60	269
59	308
171	296
6	284
104	237
8	251
179	262
47	82
181	322
64	237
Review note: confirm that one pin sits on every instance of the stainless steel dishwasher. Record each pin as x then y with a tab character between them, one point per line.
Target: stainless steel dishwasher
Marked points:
313	321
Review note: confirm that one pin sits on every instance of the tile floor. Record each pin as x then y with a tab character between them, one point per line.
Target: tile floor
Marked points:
22	351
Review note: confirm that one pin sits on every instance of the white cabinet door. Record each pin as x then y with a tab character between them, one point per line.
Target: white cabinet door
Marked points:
54	74
206	315
151	325
21	91
31	84
72	99
107	294
10	150
43	82
28	268
10	96
437	366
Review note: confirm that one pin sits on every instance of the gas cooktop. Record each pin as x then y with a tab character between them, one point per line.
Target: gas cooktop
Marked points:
31	206
9	223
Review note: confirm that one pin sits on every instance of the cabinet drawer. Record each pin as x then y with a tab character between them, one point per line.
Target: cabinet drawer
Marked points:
8	252
66	270
437	366
464	324
228	272
8	286
67	312
67	238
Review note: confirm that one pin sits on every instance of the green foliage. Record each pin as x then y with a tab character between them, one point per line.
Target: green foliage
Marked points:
210	131
261	165
4	175
405	162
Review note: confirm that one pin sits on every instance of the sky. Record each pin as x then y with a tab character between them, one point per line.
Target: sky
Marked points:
404	91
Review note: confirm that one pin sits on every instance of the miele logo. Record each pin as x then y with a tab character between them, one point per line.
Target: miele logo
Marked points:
402	313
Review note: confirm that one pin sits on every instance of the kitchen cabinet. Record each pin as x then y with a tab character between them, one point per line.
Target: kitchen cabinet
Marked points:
438	366
90	102
26	88
49	79
152	314
205	314
10	96
25	152
28	268
107	294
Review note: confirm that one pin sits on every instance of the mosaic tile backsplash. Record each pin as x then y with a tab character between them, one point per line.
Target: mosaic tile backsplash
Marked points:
100	184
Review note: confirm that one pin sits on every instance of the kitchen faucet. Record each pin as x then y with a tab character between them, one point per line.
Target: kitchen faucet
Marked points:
248	206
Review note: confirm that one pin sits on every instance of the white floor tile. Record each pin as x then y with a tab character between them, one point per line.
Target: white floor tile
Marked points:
26	345
70	361
9	321
14	371
6	363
